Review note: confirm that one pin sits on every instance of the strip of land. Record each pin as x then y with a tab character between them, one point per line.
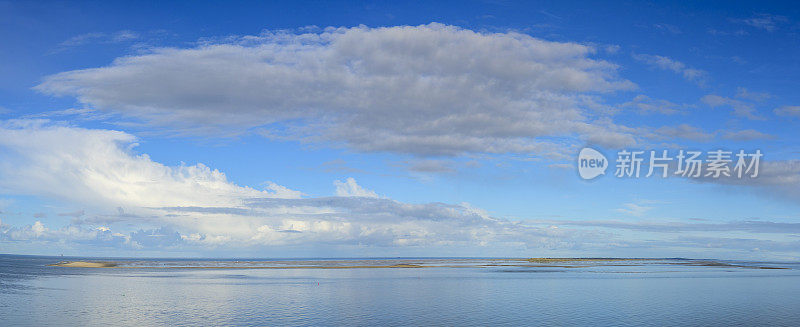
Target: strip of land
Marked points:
85	264
423	263
90	264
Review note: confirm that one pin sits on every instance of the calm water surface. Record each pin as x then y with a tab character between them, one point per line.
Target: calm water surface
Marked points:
672	292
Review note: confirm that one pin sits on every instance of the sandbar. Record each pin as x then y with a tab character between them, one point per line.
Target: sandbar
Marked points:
85	264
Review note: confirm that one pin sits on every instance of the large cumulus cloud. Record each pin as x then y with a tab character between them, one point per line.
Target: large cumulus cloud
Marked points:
426	90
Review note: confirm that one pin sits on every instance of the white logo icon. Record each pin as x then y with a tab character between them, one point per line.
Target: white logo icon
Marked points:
591	163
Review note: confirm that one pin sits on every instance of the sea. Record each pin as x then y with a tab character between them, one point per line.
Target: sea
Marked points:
398	292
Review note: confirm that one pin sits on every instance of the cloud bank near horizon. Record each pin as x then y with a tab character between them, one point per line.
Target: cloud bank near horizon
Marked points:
131	202
197	206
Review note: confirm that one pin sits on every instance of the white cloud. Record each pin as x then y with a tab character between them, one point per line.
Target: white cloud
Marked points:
426	90
369	221
350	188
695	75
634	209
39	233
98	167
195	206
38	229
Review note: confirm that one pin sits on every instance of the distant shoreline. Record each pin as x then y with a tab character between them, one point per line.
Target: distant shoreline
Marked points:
419	263
85	264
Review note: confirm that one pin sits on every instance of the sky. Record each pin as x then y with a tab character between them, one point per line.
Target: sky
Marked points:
383	129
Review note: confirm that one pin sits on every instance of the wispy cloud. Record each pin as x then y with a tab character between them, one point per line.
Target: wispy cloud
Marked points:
788	111
751	226
744	93
740	108
96	37
747	135
697	76
682	131
767	22
646	105
430	166
672	29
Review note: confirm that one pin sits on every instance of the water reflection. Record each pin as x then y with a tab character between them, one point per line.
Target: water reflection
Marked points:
447	292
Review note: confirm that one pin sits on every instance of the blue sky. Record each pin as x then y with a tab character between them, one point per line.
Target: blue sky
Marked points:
386	129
